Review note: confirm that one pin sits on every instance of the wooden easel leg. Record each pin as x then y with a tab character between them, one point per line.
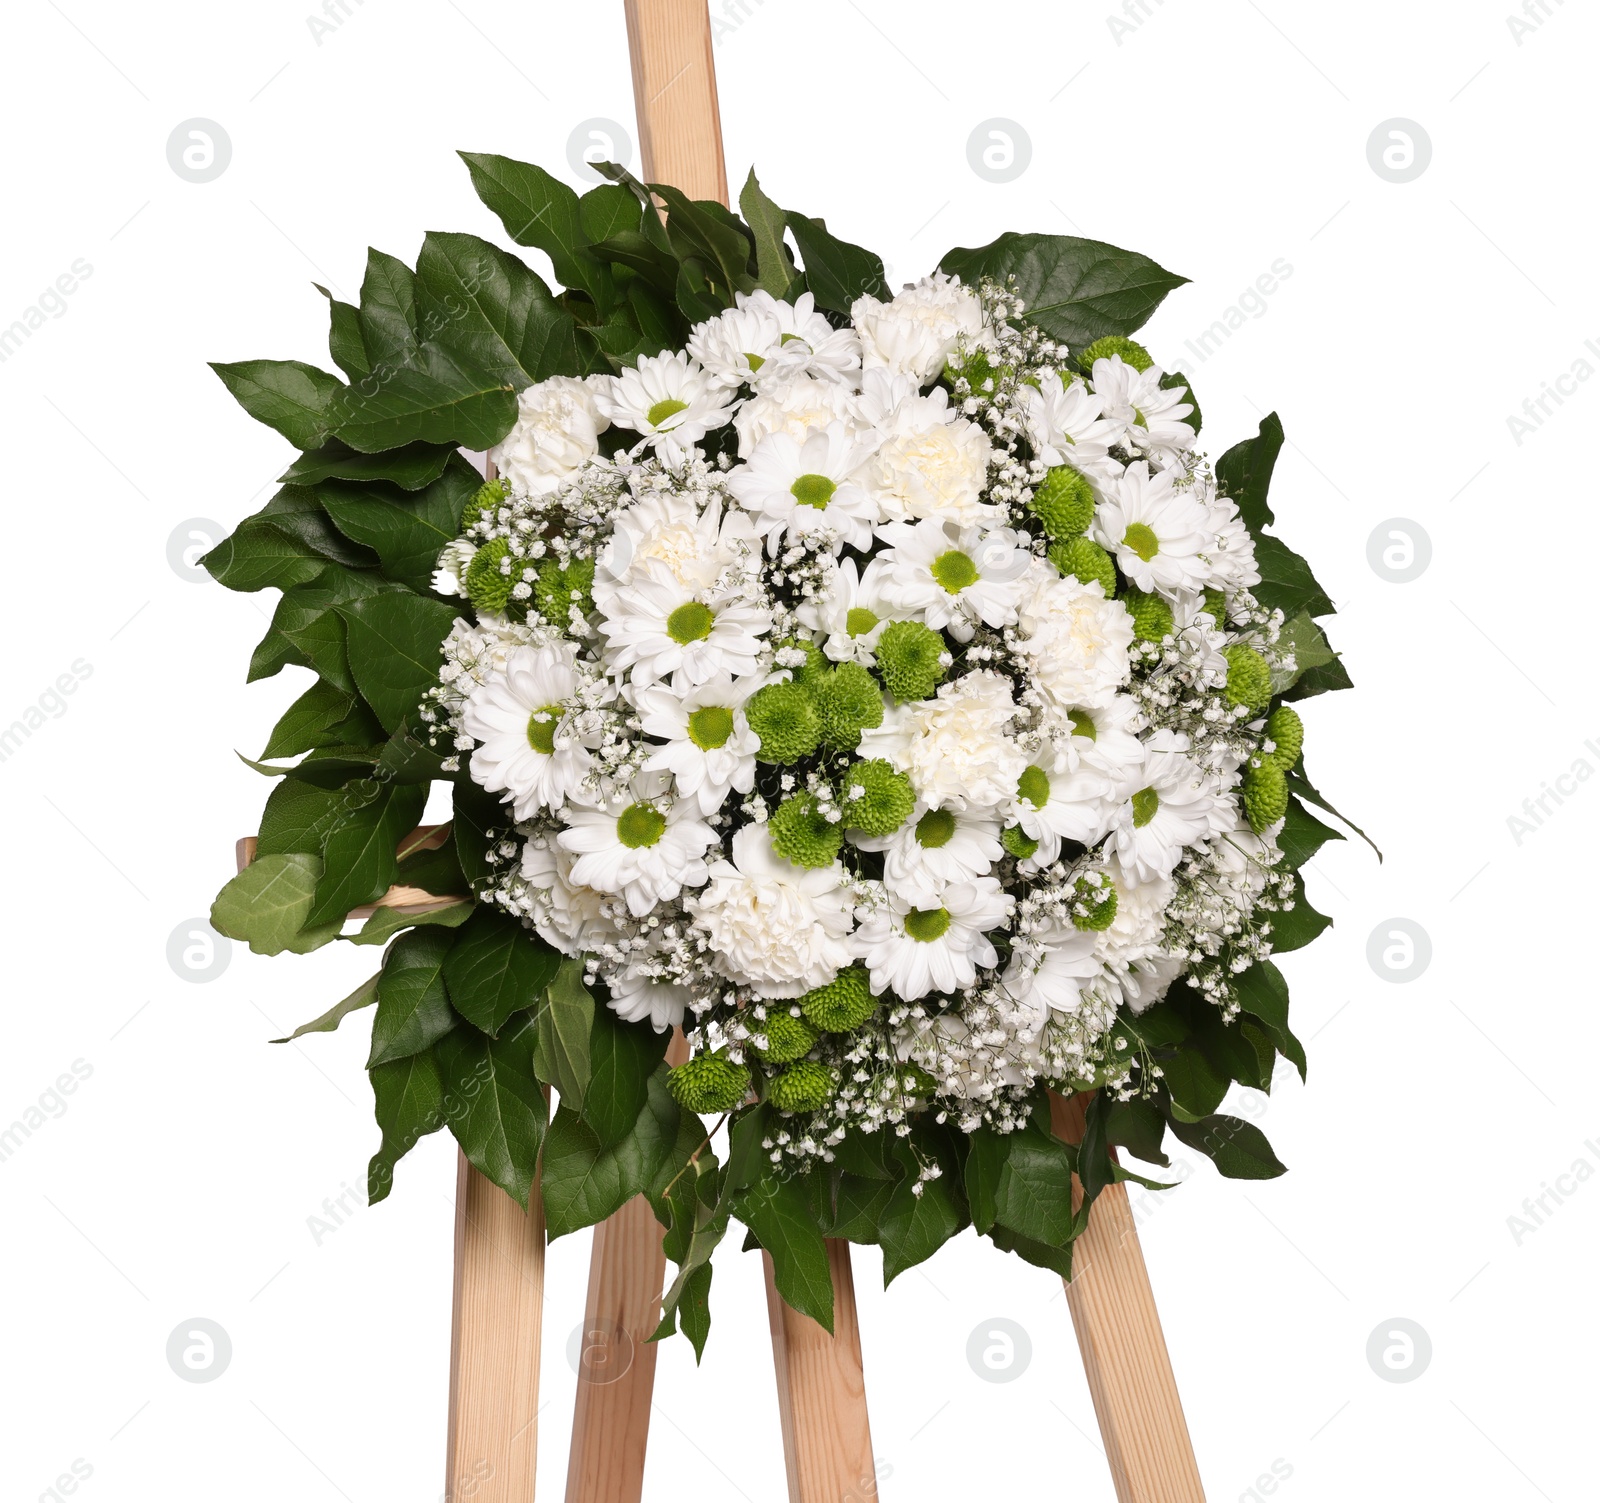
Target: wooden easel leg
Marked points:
1124	1352
822	1396
494	1345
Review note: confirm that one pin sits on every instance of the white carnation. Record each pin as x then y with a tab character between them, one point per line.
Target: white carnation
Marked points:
915	331
556	433
955	747
1075	641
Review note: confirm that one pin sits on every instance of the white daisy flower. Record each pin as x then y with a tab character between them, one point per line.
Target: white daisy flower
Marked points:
794	406
913	951
710	749
851	614
1148	417
1129	950
777	928
639	997
530	751
667	528
1105	737
795	486
557	432
632	846
567	915
954	578
1164	807
1066	426
936	847
956	747
1231	551
1048	970
1053	804
653	627
452	566
670	399
1074	641
915	331
1156	531
736	345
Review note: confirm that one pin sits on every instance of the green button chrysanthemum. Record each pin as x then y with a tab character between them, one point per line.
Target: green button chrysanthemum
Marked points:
1287	732
1085	559
848	702
557	590
801	834
1152	616
909	663
488	587
1018	842
1064	503
785	719
1108	345
885	801
806	1086
708	1084
1249	678
788	1037
488	498
841	1006
1265	796
1099	905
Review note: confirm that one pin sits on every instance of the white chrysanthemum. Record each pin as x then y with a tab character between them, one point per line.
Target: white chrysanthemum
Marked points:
1155	530
793	406
669	398
639	997
1168	806
851	614
1065	425
566	915
1231	551
1053	803
634	848
928	461
954	578
934	848
557	432
915	331
452	566
1105	737
777	928
710	749
1130	948
527	752
955	747
1048	970
1148	417
654	627
667	528
1073	639
795	486
913	951
736	345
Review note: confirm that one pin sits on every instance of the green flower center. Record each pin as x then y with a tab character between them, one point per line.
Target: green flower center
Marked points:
640	825
785	338
1138	419
710	728
667	407
927	924
756	361
936	828
859	620
1142	540
955	571
1034	786
690	623
813	490
1145	803
1082	723
542	733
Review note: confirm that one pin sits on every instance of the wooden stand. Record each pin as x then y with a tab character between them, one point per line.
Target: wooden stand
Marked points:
499	1275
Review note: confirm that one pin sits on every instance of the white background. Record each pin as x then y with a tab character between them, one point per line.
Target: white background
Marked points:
179	1180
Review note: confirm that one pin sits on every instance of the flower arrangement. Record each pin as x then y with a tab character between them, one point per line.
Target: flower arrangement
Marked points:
881	688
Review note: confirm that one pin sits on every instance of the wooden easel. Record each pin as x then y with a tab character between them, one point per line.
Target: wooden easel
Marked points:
499	1258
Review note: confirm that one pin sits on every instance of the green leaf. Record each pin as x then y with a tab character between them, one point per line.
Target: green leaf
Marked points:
775	271
1327	678
777	1211
409	1099
915	1226
836	272
387	922
413	1007
297	817
394	642
1040	1254
1300	785
267	903
1302	836
1034	1196
539	210
987	1151
1176	381
304	724
1139	1127
475	813
345	344
1264	996
1296	928
1095	1166
1287	582
706	235
583	1182
497	968
411	467
1195	1083
1075	290
388	312
363	996
494	1104
405	529
1311	651
1239	1150
565	1021
358	854
697	1220
431	864
622	1060
289	396
289	542
1245	472
608	210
